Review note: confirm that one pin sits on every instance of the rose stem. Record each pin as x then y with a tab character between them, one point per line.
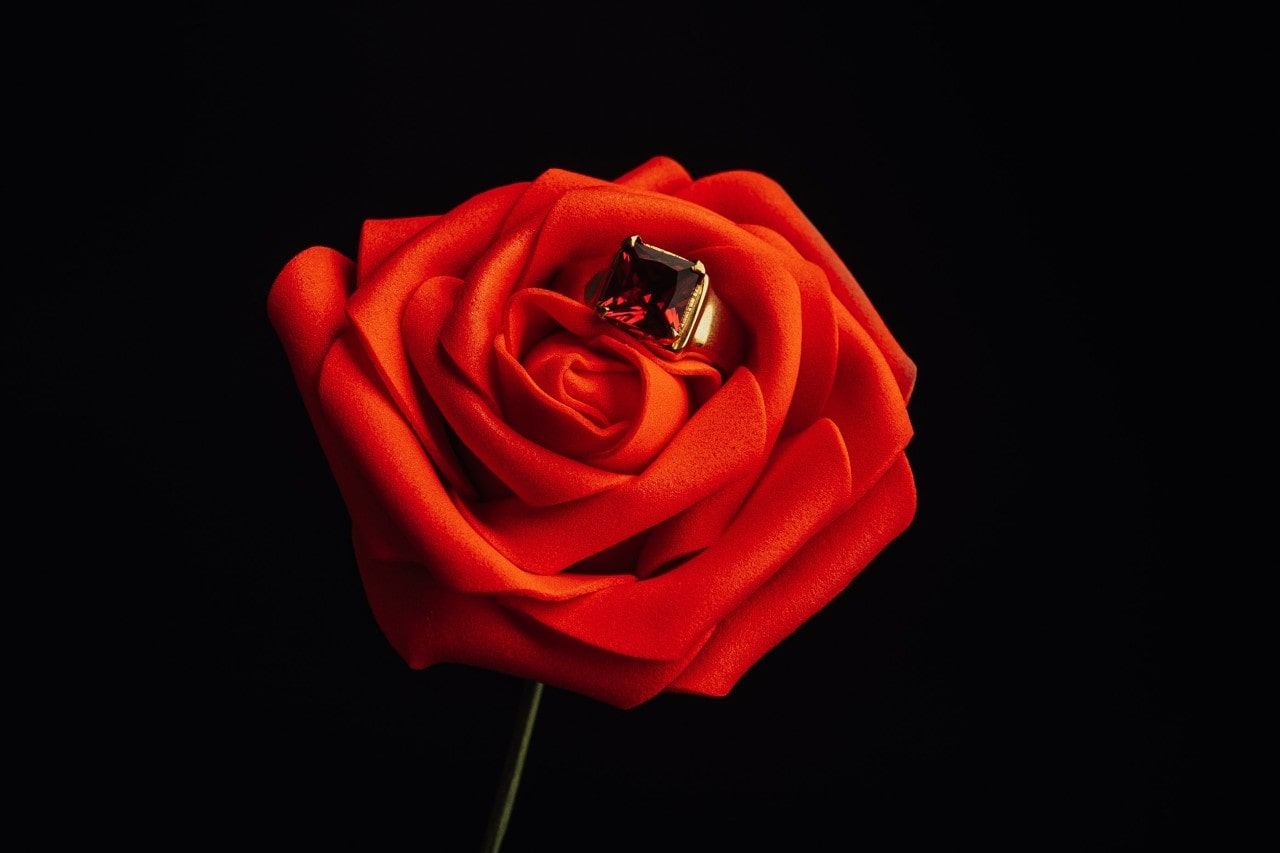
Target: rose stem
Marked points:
501	814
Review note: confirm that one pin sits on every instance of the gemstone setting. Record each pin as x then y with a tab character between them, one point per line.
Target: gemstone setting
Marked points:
652	294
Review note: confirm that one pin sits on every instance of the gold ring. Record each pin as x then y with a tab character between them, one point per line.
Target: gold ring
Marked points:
666	302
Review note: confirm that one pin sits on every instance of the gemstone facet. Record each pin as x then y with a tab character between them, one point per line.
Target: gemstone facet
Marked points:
652	294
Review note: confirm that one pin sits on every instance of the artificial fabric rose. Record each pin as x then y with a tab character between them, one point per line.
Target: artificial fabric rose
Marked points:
534	491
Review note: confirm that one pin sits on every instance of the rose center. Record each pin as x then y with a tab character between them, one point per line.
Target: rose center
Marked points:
601	389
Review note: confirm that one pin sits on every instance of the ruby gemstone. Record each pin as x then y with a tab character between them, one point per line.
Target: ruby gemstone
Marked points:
650	292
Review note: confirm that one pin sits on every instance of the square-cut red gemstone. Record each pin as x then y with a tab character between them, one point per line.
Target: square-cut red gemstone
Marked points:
652	293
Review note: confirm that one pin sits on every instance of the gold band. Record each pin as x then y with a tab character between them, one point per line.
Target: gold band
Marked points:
717	338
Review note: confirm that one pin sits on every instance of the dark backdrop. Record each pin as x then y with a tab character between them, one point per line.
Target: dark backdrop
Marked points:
1006	675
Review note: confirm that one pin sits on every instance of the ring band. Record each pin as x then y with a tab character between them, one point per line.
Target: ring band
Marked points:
666	302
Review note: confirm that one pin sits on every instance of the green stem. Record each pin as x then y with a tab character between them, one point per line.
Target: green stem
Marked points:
501	814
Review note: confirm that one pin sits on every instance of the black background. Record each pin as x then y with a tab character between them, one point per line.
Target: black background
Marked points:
1008	674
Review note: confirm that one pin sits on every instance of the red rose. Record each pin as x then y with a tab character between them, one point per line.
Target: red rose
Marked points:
537	489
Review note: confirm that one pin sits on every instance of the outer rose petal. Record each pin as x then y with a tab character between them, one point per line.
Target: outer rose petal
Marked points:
427	624
659	174
307	307
391	488
810	580
752	198
389	275
805	486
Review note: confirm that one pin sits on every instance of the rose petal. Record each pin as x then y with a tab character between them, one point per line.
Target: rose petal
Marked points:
590	223
448	244
396	497
760	289
638	427
496	275
428	624
538	476
818	332
540	400
472	321
721	443
809	581
307	307
749	197
540	195
804	487
693	530
869	409
658	174
382	238
571	388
